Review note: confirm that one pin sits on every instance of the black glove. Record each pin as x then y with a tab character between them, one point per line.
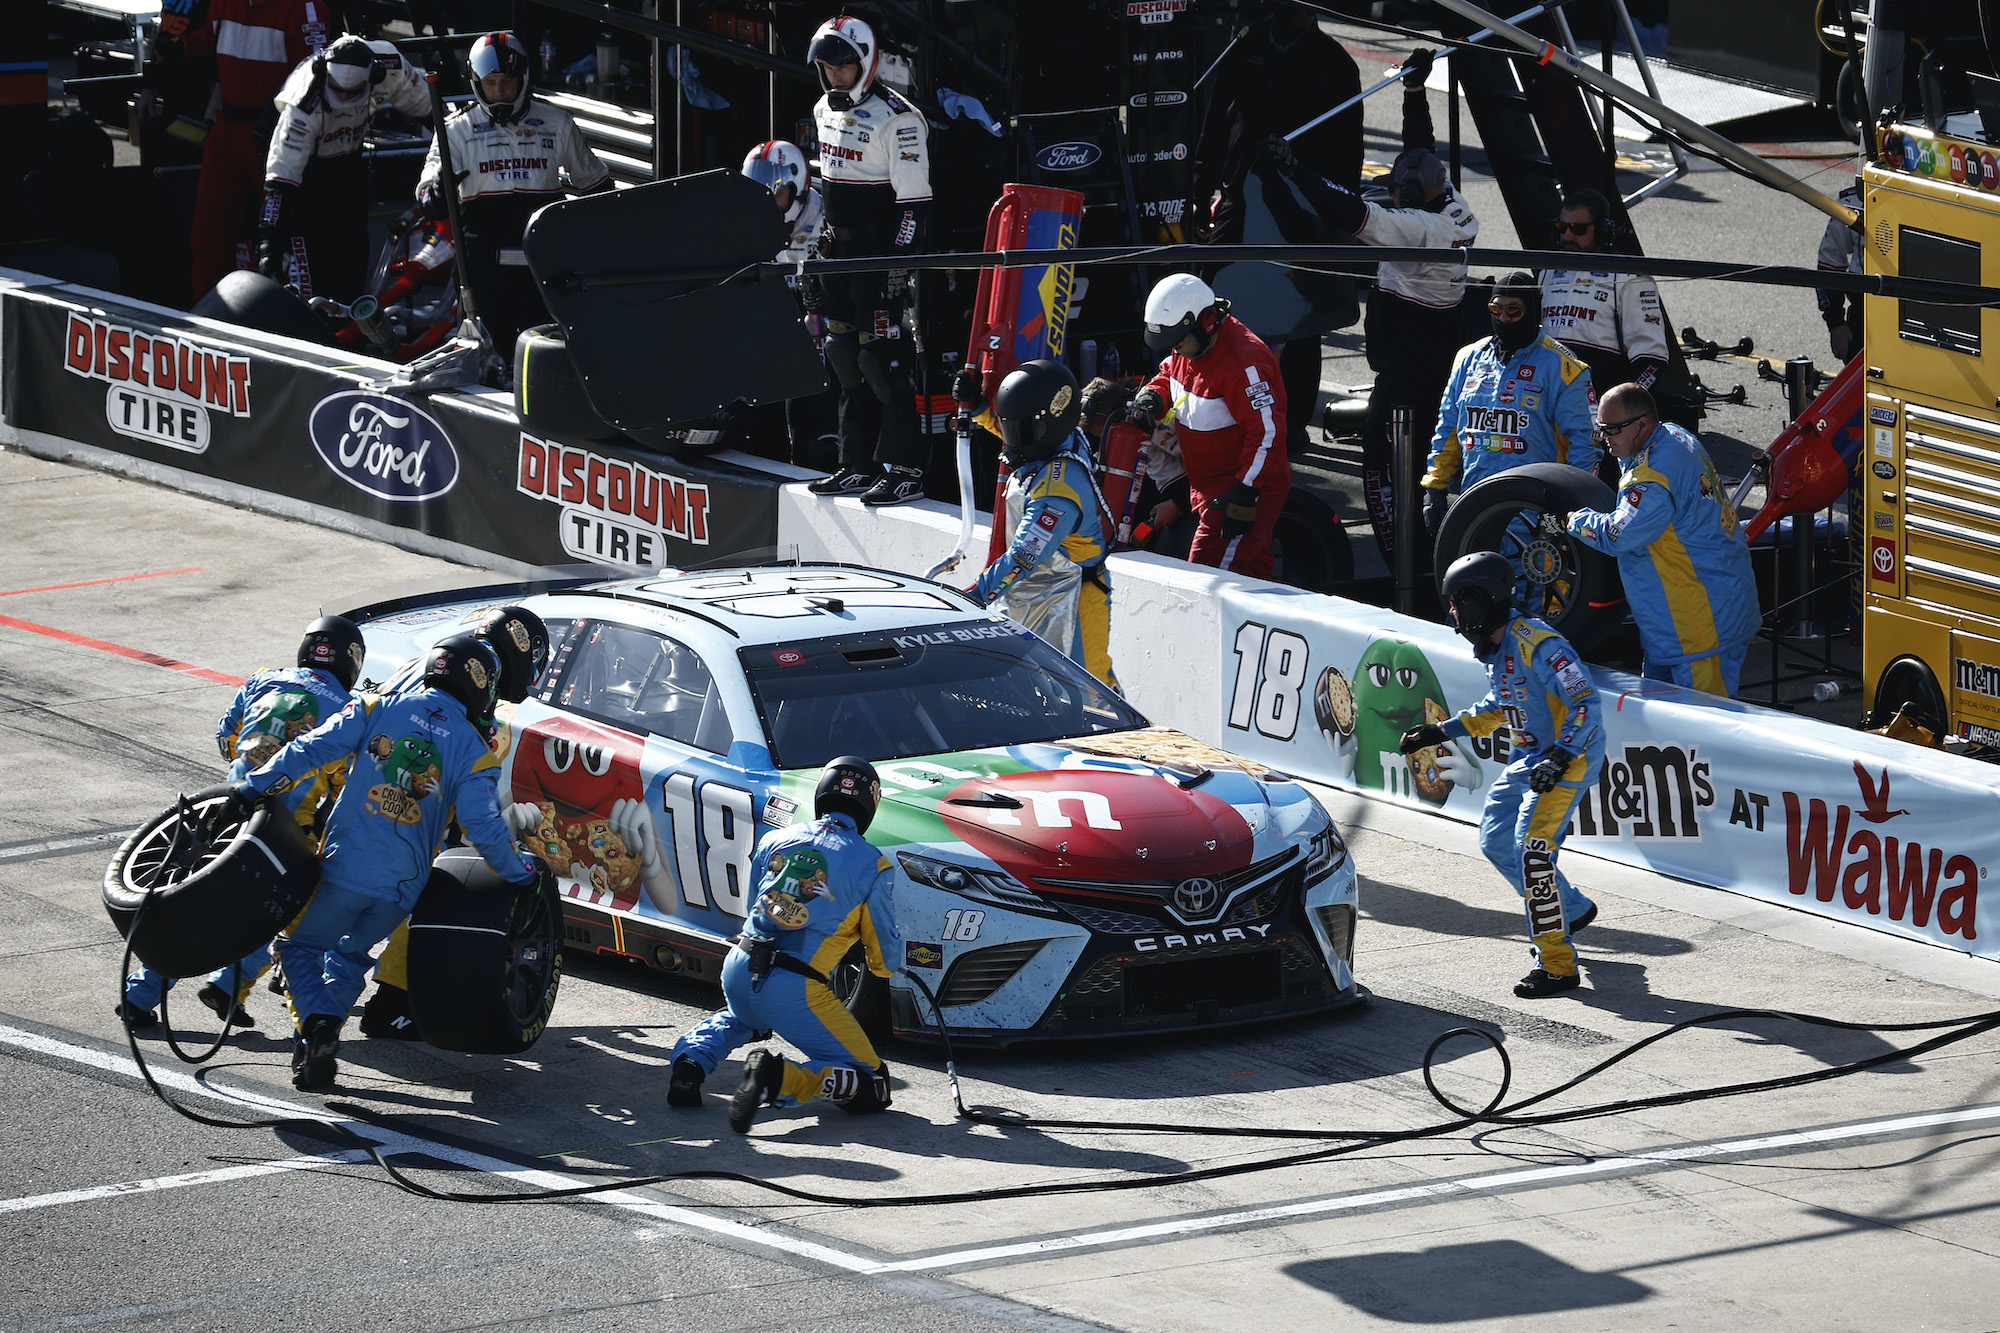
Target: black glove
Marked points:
1417	67
1416	738
1841	337
1549	770
1554	522
1435	503
430	199
1146	409
1238	508
1277	150
966	387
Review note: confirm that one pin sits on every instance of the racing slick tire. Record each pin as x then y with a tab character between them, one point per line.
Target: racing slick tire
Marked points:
485	957
548	391
1573	587
1908	685
254	301
1309	544
865	995
220	883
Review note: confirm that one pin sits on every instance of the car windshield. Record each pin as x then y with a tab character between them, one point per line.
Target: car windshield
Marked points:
933	690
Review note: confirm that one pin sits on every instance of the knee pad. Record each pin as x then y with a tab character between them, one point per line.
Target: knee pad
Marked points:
867	1091
876	370
843	354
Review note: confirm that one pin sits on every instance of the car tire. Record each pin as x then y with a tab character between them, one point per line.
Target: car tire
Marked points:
864	995
1573	587
215	894
548	391
485	957
253	301
1309	545
1909	683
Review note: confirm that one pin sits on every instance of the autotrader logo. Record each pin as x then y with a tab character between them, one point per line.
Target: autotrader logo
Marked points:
383	446
1198	897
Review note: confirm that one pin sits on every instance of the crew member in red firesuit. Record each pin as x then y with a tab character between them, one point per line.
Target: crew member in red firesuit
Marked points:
255	44
1219	386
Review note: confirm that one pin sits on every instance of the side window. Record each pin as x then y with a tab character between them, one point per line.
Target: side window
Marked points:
563	638
637	680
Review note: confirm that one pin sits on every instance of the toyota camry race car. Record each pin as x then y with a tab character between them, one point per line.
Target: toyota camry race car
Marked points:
1063	867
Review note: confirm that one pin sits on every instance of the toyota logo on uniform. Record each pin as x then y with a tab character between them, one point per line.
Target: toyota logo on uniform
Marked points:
1198	897
1072	156
383	446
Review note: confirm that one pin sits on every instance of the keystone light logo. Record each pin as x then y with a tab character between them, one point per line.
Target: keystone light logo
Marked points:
383	446
1072	156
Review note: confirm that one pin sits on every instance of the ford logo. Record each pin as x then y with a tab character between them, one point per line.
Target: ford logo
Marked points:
1073	156
1195	898
383	446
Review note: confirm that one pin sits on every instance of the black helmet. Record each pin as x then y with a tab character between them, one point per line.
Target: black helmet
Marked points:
333	643
1479	595
1037	406
520	640
848	786
499	53
464	667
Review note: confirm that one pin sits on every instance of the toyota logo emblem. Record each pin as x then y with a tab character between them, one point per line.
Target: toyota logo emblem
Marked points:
1197	897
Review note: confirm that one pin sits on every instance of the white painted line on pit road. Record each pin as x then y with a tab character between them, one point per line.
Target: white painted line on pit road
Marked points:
394	1143
31	1202
28	851
1439	1189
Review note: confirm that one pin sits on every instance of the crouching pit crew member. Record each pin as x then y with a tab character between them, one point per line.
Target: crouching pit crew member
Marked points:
272	708
1052	577
1540	690
419	760
821	887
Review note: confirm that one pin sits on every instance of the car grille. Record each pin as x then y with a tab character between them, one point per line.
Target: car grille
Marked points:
978	974
1185	981
1142	906
1337	920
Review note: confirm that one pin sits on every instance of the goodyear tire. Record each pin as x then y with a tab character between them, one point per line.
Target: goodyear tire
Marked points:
1309	543
865	995
216	892
548	392
256	302
1908	684
1571	586
485	958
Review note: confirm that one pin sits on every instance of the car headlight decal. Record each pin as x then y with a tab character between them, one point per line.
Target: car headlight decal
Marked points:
1326	854
980	885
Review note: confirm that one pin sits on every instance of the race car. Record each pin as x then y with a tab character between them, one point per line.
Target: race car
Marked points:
1063	868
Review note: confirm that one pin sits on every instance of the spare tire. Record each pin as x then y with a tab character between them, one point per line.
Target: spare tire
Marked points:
548	393
1309	544
485	957
1573	587
212	887
257	302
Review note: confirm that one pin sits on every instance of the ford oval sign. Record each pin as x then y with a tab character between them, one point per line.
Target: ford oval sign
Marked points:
1072	156
383	446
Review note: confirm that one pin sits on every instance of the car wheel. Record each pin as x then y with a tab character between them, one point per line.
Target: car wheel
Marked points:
548	392
1573	587
485	957
250	299
1309	545
219	885
1908	684
865	995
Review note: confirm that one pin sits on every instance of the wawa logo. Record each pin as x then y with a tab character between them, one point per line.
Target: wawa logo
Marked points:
1839	853
162	387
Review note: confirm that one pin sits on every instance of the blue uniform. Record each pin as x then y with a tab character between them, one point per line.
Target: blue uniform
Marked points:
821	889
1540	690
271	708
1052	578
1499	412
418	764
1685	565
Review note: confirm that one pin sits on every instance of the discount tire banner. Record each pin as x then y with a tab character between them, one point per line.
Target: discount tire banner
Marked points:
313	424
1841	824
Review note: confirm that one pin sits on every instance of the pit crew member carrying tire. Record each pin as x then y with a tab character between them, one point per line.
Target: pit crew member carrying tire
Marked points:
270	709
821	888
875	158
1540	690
513	153
419	760
1220	386
1052	577
313	233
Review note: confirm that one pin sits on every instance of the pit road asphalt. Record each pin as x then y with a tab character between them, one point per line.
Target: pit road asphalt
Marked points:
127	608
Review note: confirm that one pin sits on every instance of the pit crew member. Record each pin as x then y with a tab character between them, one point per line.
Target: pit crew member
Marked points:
821	887
1052	577
1219	385
512	153
1540	690
313	233
783	170
875	162
1840	252
1680	553
1516	397
419	760
270	708
1612	322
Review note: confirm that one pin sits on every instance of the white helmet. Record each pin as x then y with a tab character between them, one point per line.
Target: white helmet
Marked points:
844	41
499	53
776	164
1181	304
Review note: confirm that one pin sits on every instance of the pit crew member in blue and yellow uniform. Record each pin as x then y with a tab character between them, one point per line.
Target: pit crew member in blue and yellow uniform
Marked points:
820	888
1052	577
1540	690
270	709
1685	564
420	760
1516	397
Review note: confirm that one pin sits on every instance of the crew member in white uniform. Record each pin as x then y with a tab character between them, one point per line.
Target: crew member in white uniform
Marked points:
810	420
1612	322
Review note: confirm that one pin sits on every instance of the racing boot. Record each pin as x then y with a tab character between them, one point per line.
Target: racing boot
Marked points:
313	1051
684	1089
843	481
1540	984
135	1017
387	1015
763	1077
899	485
223	1005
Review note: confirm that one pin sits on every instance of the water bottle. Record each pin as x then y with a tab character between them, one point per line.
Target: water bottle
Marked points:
1828	690
1109	365
1086	361
607	59
548	52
